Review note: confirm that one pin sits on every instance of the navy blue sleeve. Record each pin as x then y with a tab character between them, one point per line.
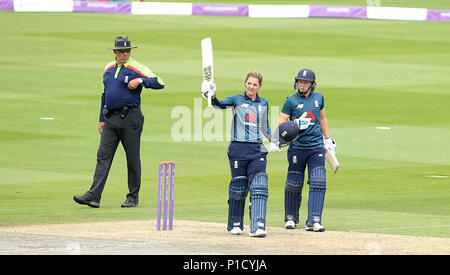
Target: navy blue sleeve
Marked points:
153	83
101	118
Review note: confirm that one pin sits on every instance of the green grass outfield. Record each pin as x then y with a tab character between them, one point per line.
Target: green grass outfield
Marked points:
372	73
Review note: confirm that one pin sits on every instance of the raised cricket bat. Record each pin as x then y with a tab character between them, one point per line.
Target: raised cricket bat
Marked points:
332	160
207	63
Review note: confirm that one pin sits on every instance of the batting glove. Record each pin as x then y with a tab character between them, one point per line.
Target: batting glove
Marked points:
208	87
303	121
329	144
274	147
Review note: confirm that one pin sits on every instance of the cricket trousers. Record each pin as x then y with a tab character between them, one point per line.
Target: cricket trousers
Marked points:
127	131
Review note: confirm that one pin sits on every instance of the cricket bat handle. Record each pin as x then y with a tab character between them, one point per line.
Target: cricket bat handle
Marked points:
209	100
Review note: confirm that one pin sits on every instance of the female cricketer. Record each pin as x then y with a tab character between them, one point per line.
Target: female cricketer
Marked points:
306	107
246	154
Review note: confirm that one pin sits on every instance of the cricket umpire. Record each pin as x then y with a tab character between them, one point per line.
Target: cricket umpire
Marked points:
121	120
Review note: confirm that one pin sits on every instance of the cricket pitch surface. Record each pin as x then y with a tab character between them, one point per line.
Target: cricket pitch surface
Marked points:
202	238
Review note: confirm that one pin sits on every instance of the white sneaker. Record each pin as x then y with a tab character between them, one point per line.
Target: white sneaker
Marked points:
258	233
236	231
316	227
290	224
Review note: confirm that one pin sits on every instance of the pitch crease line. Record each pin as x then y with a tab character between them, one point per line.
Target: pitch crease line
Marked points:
396	228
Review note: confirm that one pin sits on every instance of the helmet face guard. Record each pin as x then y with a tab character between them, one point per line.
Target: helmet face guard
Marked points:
306	75
287	143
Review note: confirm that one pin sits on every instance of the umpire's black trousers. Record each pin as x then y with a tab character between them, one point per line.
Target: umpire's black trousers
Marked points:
127	131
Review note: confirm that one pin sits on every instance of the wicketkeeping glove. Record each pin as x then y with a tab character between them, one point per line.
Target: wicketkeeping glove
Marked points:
208	87
303	121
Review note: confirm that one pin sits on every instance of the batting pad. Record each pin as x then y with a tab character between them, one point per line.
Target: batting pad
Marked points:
293	195
317	188
259	193
236	203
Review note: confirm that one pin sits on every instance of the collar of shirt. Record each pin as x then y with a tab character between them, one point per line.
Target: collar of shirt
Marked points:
124	64
257	99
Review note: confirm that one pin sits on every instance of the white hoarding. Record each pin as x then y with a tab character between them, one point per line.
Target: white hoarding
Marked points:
43	5
388	13
278	10
161	8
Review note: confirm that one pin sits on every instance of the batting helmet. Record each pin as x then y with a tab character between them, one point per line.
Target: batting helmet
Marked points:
306	75
287	133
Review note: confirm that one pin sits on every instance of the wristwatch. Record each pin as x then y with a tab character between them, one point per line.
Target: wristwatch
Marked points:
140	80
